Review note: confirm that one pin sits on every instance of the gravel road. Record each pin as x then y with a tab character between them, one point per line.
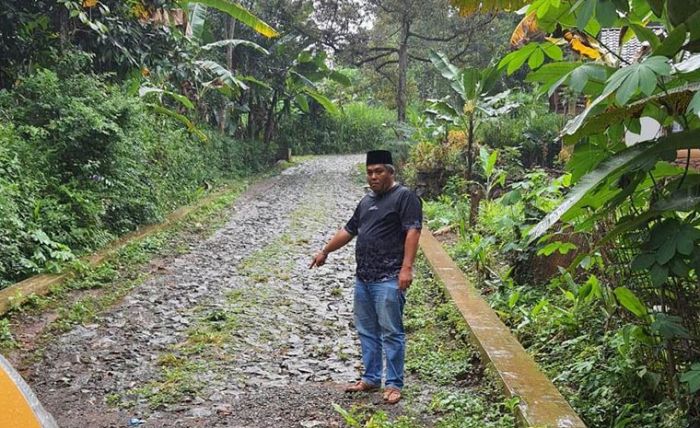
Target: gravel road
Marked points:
238	332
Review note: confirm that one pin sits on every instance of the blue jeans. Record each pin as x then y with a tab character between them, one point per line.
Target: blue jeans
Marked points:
378	309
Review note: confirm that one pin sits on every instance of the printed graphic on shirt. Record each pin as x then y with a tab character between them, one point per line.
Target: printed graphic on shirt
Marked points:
380	223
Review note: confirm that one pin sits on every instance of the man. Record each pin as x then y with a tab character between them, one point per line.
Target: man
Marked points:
387	223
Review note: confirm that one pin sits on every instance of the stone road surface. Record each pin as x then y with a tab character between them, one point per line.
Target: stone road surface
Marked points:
237	332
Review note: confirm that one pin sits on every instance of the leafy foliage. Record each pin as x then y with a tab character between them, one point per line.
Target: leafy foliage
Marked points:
82	163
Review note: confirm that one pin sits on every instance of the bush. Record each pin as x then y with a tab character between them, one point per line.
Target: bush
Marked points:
533	131
82	163
359	128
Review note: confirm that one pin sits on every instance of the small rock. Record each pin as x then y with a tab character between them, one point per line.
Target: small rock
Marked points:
200	412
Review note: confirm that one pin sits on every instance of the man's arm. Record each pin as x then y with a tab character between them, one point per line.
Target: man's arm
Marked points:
338	240
409	256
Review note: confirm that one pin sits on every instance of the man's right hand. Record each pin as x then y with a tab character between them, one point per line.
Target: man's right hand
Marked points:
318	260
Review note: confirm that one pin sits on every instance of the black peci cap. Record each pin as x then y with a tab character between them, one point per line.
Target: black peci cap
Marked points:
375	157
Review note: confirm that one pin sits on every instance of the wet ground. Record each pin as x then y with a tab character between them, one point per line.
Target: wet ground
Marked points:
237	332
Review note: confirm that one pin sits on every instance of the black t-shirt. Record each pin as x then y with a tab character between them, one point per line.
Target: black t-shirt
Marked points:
380	223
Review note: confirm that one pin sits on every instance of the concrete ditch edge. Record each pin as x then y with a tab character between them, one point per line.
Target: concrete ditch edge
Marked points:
541	404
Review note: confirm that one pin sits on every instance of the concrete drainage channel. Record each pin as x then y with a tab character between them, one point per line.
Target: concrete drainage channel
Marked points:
541	404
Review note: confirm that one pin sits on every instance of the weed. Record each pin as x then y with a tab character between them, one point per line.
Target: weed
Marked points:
7	341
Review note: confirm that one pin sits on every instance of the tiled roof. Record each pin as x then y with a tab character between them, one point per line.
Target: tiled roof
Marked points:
631	51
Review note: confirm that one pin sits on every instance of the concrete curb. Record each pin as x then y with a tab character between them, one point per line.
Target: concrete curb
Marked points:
541	404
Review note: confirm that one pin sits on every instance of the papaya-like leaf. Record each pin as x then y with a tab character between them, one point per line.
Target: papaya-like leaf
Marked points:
692	378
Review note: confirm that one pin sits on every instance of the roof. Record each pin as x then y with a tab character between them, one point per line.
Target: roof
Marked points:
631	51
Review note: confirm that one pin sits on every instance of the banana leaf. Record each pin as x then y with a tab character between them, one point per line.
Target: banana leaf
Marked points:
234	43
626	160
239	13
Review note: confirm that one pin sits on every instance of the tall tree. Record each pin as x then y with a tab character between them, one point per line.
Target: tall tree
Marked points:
403	31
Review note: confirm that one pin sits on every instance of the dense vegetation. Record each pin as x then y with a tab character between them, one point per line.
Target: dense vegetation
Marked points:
595	267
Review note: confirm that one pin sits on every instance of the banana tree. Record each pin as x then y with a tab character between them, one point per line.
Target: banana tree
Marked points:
473	86
199	45
297	85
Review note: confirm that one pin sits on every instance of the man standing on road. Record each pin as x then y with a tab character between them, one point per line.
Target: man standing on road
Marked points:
387	223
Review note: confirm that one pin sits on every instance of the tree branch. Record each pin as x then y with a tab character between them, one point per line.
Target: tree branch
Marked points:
372	58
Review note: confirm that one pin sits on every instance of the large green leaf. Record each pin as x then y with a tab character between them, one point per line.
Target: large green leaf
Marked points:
180	118
145	90
470	81
234	43
239	13
585	13
645	34
694	106
643	76
197	19
552	75
222	74
588	124
323	100
593	74
692	378
443	111
443	64
669	327
673	42
630	302
628	159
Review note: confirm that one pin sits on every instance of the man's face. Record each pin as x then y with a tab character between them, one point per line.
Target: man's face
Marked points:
379	178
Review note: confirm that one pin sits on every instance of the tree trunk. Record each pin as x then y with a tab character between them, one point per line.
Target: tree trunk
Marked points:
252	117
470	146
270	124
403	68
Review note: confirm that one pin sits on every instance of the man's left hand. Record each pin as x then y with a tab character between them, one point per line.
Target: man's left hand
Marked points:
405	277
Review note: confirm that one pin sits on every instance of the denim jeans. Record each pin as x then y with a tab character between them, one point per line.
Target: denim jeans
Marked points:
378	310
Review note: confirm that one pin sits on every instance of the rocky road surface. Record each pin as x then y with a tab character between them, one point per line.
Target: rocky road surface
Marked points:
238	332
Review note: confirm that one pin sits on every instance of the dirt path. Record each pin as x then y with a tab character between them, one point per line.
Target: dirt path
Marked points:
237	332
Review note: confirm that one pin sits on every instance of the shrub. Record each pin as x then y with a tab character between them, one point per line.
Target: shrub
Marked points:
359	128
82	163
533	130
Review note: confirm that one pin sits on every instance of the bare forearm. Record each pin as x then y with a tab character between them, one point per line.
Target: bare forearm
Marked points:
410	247
340	239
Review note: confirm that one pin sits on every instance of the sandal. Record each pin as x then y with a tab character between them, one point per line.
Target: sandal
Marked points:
360	386
392	395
